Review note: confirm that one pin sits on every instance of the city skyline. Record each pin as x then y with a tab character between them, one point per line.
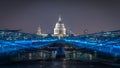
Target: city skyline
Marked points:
77	15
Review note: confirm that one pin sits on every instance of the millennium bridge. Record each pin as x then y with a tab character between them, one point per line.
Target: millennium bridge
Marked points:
19	46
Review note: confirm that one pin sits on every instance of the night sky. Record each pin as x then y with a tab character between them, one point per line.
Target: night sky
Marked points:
77	15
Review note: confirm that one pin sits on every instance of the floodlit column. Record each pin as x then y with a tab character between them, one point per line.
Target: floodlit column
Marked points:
53	54
44	55
90	57
41	54
74	54
30	56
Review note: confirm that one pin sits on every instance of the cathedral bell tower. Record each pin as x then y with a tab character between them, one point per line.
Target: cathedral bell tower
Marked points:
39	31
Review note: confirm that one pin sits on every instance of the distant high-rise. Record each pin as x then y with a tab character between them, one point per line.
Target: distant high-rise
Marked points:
59	28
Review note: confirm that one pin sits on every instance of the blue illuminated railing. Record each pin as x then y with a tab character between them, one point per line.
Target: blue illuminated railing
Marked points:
6	47
101	47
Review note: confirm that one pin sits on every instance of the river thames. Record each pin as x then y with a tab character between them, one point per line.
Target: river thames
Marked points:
57	64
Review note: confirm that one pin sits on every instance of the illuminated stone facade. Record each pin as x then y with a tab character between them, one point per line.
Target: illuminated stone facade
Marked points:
59	28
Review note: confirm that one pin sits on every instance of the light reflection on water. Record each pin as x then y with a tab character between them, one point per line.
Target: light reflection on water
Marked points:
56	64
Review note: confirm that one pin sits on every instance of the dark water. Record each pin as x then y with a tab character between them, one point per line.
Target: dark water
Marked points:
56	64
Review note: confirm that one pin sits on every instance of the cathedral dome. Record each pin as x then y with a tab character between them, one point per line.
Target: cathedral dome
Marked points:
59	27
